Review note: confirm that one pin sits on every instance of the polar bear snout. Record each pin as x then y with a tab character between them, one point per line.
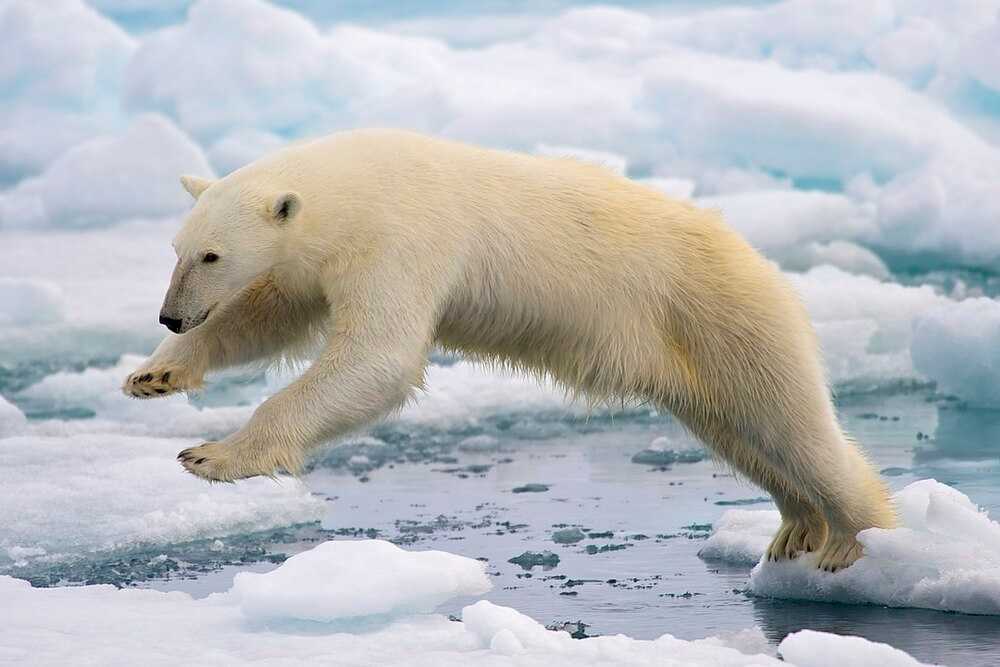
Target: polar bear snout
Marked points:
170	322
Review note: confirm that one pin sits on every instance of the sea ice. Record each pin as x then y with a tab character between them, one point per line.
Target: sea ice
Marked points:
79	493
944	555
958	344
347	579
353	603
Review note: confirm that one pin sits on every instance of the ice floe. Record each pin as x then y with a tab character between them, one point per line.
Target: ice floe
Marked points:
944	555
354	603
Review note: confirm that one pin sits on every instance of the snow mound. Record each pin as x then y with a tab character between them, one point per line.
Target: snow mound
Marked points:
109	178
945	555
348	579
958	345
12	420
106	492
25	301
108	625
822	649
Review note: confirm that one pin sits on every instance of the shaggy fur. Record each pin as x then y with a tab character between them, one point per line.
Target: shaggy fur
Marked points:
385	244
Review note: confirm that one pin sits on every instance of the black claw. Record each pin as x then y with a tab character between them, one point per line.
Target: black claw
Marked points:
199	461
166	377
160	390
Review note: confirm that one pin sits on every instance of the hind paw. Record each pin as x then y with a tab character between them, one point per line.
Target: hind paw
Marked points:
796	536
839	552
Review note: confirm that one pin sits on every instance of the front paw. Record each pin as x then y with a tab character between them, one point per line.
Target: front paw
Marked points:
212	461
153	381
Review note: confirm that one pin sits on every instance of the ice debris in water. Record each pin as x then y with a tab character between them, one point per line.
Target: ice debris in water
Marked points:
345	579
12	420
531	488
530	559
944	555
660	453
568	536
375	595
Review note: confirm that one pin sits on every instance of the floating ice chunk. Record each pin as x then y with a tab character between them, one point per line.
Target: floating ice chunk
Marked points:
677	188
220	68
109	179
12	420
24	301
99	390
957	344
844	255
59	50
81	492
821	649
349	579
611	161
775	220
479	443
944	555
240	147
465	390
741	536
865	326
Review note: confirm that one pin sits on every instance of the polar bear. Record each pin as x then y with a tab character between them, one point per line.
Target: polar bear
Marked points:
382	244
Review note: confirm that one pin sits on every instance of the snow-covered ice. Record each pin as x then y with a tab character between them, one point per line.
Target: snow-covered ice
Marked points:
944	555
371	610
348	579
78	493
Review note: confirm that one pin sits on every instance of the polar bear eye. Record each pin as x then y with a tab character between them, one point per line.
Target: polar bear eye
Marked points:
210	257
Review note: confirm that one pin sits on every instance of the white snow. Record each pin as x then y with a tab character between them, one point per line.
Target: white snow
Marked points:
335	581
364	621
944	555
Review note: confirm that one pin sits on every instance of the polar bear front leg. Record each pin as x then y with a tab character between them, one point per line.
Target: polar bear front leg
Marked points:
175	366
373	359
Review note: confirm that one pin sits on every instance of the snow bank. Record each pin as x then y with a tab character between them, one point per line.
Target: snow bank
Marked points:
108	625
24	301
958	345
865	326
78	492
110	178
945	555
12	420
334	581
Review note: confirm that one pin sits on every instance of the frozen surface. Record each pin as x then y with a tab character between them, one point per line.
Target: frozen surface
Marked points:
53	626
78	493
958	344
945	555
348	579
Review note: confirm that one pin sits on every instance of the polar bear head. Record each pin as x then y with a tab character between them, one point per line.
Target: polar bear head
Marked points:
233	235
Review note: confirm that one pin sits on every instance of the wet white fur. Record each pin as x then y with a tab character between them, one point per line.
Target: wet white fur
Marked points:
401	242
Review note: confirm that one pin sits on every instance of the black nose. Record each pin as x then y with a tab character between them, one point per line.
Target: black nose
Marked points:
170	323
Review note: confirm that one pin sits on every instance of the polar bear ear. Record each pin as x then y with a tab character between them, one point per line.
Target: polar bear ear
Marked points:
195	185
285	207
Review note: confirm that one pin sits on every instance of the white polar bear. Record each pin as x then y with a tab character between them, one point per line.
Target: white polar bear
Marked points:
382	244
